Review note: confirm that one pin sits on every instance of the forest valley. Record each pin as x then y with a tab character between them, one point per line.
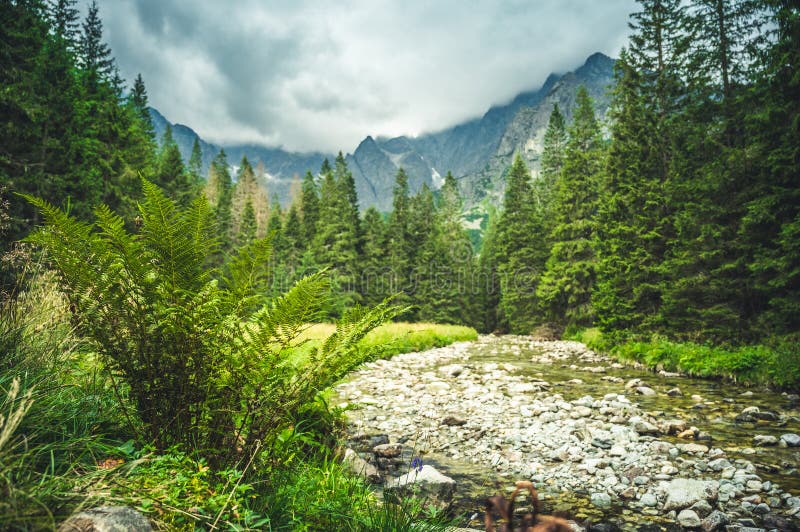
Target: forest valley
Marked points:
669	233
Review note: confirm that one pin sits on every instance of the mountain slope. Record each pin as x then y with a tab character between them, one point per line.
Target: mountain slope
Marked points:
477	152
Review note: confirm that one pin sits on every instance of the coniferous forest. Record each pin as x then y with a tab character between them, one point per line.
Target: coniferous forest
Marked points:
672	221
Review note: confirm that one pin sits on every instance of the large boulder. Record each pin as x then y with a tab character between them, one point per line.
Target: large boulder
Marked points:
684	492
107	519
426	483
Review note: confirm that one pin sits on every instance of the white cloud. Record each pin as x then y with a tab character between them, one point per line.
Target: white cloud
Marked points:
314	75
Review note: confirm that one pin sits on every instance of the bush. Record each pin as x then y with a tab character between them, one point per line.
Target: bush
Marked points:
206	362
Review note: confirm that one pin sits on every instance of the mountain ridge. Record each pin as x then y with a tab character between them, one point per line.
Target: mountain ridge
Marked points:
476	151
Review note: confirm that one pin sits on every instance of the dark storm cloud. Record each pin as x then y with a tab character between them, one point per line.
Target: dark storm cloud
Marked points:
311	74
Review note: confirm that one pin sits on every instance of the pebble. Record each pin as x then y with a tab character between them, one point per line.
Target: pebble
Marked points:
607	446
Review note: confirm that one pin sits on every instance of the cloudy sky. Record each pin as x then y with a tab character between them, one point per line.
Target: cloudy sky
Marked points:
321	75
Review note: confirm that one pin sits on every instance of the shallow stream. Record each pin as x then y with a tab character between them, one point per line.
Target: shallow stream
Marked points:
561	415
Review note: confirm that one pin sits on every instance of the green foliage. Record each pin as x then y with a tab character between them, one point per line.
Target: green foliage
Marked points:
205	363
774	362
55	408
569	278
517	250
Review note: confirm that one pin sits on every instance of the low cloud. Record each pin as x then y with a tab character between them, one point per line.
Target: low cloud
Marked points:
314	75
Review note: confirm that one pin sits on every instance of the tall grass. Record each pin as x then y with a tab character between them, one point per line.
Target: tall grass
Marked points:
775	362
59	417
391	339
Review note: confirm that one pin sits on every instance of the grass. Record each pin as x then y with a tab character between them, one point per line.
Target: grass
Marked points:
392	338
64	445
776	362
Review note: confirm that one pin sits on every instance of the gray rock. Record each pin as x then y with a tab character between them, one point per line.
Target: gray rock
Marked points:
107	519
791	440
684	492
454	421
777	522
674	392
719	464
702	508
642	426
761	509
602	443
645	390
714	521
765	440
688	519
428	483
388	450
648	499
361	467
601	500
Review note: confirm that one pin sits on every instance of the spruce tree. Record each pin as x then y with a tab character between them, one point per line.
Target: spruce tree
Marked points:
195	166
337	240
632	214
516	251
374	281
309	206
398	242
446	293
64	20
567	283
247	189
95	56
220	196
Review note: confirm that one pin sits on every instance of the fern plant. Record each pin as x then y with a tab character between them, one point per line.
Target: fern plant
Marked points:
203	356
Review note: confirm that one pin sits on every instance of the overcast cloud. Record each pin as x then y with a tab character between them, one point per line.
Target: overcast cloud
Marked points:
320	75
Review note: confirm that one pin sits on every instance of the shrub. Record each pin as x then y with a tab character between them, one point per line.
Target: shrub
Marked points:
207	363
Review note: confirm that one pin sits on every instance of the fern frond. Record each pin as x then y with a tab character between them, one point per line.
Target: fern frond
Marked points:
248	274
171	236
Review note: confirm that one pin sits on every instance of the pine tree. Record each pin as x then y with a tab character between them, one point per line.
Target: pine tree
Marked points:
516	250
247	190
400	251
337	240
138	99
632	214
309	206
195	167
64	18
247	225
567	283
487	280
446	293
172	176
95	56
219	192
374	282
771	225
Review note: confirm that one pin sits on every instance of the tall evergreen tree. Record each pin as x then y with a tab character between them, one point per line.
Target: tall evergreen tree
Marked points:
337	240
219	192
374	285
247	189
398	241
632	215
195	166
64	20
446	293
516	251
309	206
95	55
566	286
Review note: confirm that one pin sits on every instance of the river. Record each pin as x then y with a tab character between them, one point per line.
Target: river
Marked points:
610	445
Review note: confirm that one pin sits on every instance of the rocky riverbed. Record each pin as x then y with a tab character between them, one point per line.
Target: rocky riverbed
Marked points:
614	447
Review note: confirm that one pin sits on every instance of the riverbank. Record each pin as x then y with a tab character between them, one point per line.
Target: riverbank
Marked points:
776	364
604	442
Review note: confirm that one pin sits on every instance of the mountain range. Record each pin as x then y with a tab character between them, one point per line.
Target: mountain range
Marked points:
477	152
